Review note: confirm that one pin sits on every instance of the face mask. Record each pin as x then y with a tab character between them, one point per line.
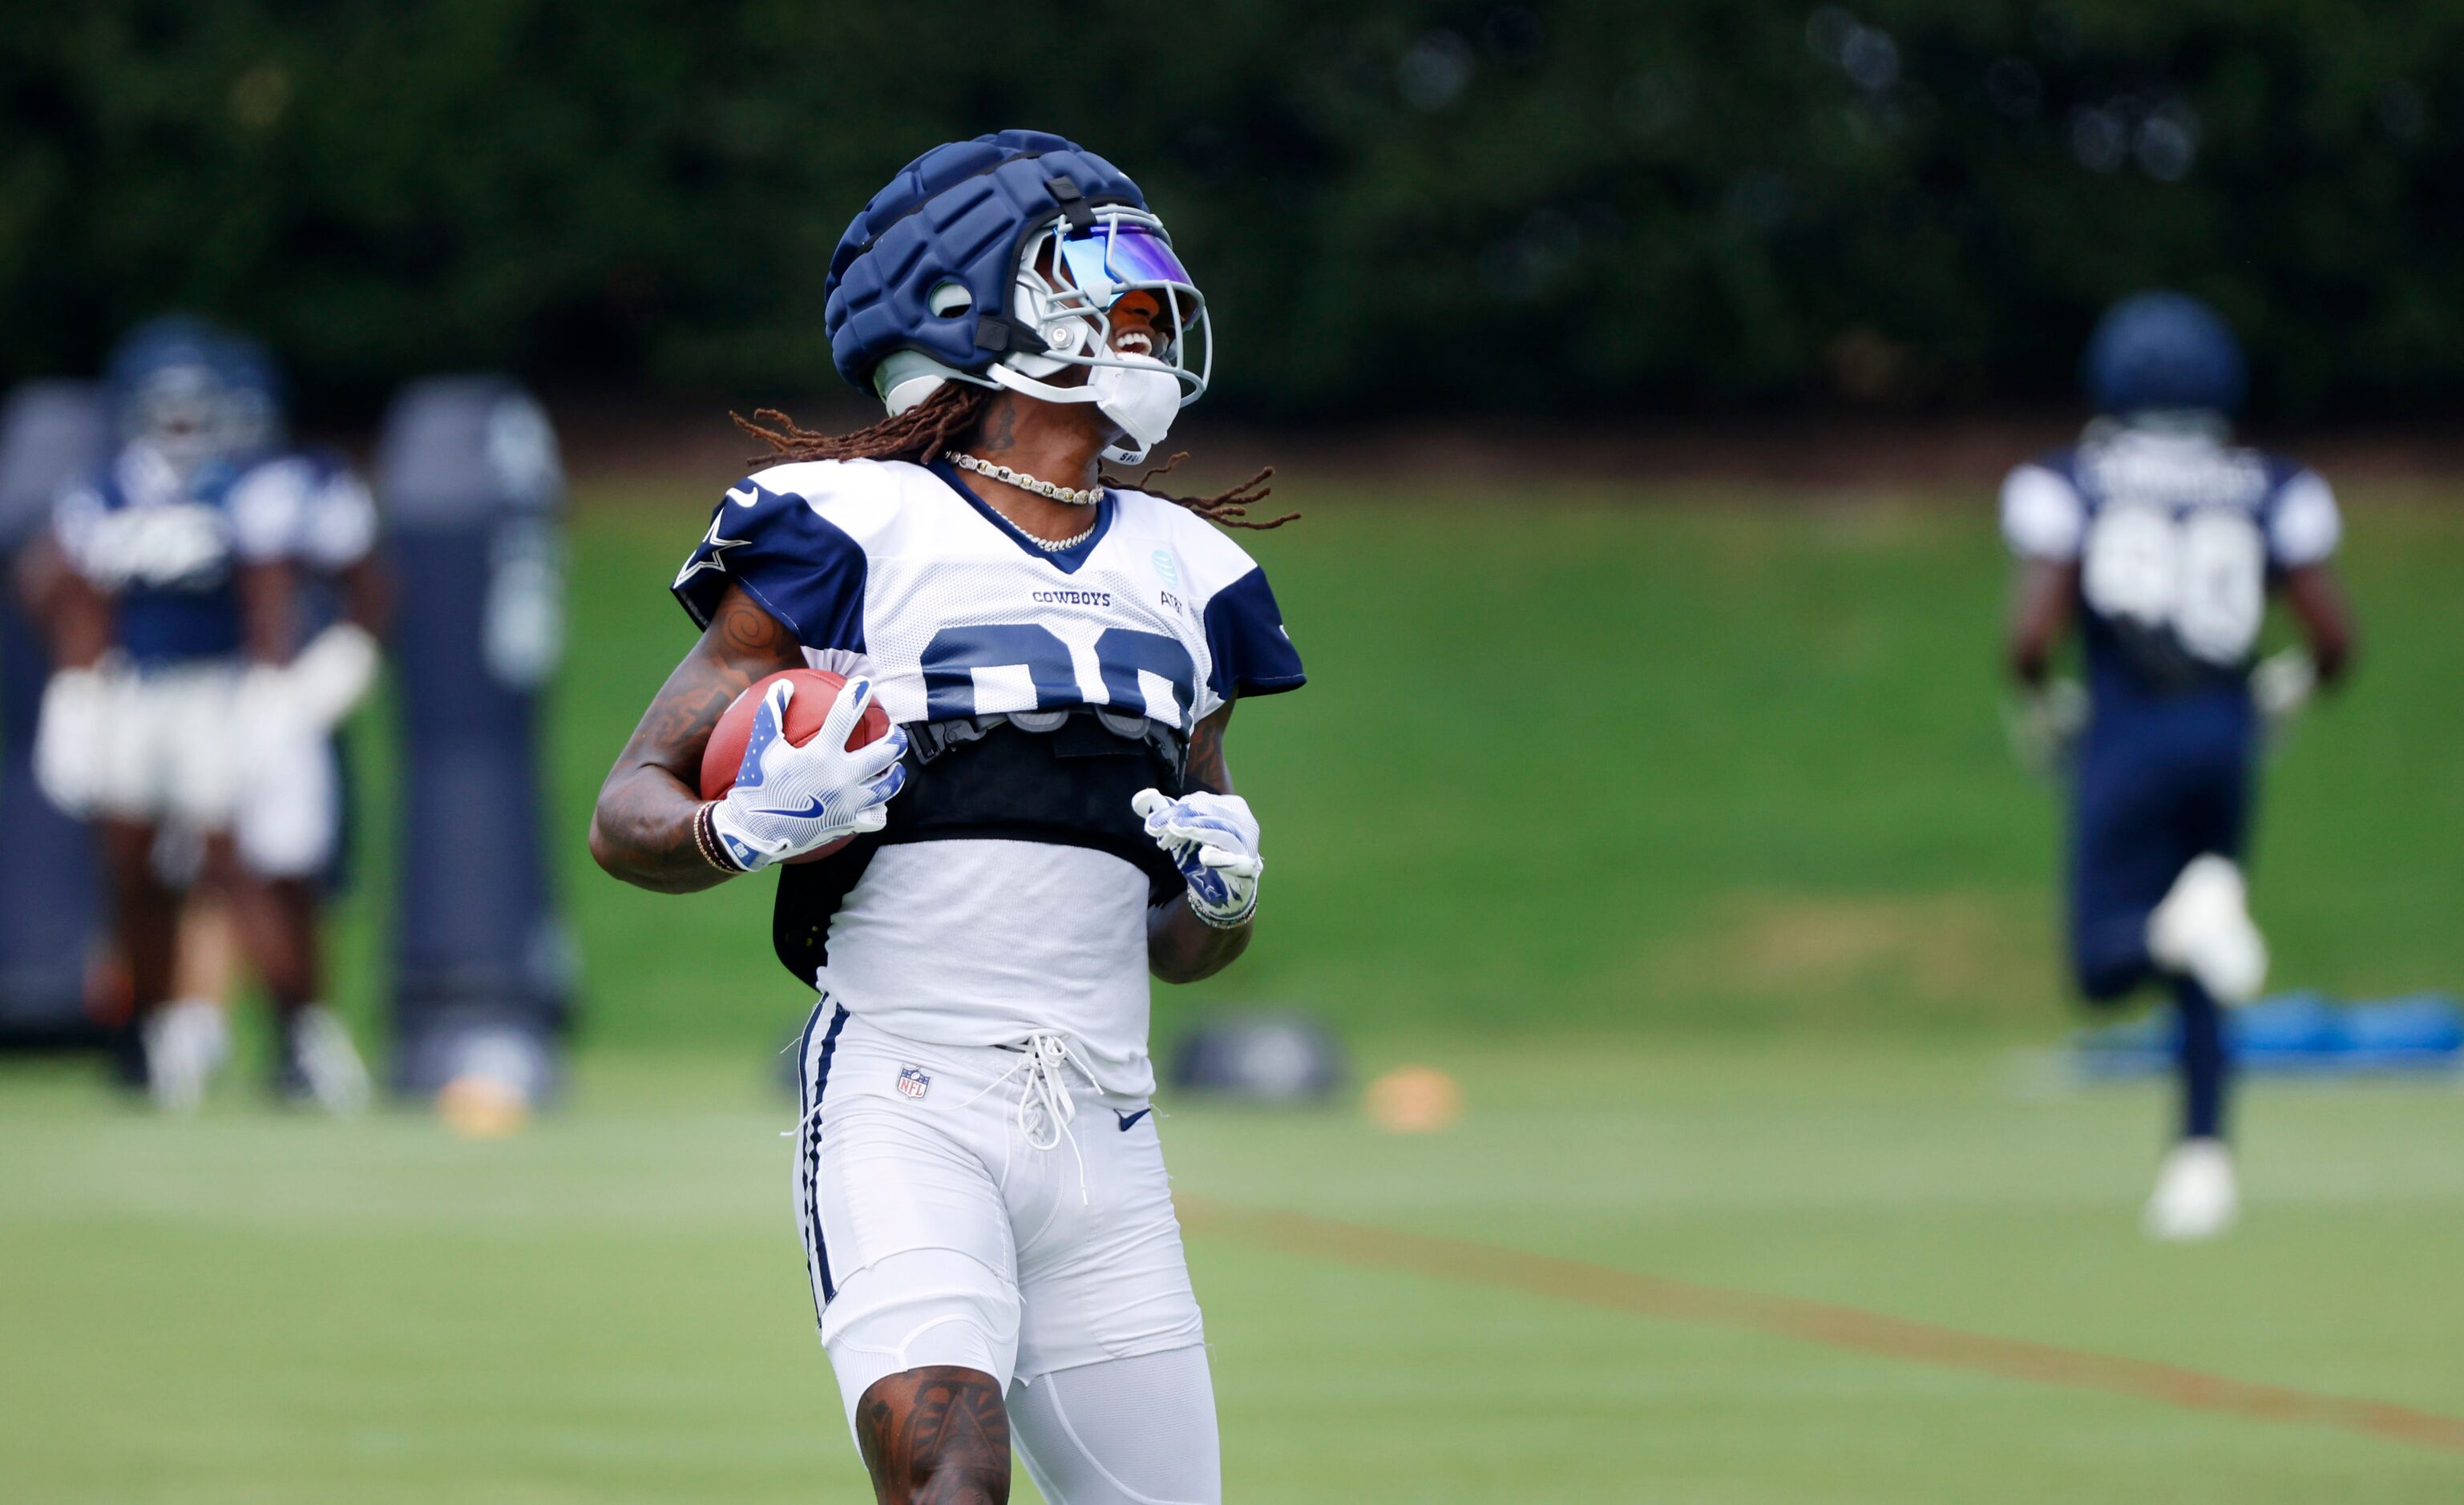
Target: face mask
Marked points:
1141	395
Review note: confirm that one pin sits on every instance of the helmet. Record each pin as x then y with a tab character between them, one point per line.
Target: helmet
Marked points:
257	392
995	261
2162	351
193	390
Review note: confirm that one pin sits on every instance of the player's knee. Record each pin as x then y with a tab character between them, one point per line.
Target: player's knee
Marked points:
938	1433
2107	972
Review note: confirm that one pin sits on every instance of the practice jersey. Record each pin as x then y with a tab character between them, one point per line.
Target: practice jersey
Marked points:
1008	894
325	522
2179	538
164	548
314	503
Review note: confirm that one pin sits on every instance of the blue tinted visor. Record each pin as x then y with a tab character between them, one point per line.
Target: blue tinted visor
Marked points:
1111	256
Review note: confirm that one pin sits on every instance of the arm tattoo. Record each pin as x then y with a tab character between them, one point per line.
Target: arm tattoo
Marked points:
1181	947
642	828
1206	767
936	1436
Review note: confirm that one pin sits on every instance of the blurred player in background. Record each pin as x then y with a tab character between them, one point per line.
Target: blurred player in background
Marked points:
2163	541
177	695
989	1233
288	802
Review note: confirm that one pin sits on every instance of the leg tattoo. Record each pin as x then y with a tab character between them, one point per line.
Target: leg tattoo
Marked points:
936	1436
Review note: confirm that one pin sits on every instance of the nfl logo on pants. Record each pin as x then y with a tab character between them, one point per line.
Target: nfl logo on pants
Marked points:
913	1082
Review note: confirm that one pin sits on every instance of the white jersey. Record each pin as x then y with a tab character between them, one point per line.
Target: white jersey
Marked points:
967	923
311	507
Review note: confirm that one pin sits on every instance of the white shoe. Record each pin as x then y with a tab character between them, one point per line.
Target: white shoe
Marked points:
2196	1196
185	1044
320	1065
2203	929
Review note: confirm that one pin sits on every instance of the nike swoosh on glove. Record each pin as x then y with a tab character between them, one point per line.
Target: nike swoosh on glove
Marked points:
789	799
1212	840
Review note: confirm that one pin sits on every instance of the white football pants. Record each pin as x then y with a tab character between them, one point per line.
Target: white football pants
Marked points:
992	1209
168	753
287	814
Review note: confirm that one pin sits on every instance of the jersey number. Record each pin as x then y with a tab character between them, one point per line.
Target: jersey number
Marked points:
955	654
2204	576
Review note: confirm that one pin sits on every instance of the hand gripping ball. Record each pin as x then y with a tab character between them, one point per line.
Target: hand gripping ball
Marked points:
816	691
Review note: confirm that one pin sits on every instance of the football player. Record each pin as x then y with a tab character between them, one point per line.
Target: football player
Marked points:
979	1181
287	805
2163	541
168	634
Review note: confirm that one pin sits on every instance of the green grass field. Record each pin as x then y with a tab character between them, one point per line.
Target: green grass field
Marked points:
1740	956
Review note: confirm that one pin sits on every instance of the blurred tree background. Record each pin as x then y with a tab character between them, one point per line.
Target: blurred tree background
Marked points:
1582	206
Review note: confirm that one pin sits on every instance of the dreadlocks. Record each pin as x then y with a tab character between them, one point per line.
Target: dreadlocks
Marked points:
917	435
1225	508
947	420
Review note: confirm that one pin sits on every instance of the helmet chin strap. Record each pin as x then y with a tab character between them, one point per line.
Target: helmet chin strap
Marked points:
1118	406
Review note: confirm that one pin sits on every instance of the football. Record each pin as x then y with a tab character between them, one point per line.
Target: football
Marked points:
816	691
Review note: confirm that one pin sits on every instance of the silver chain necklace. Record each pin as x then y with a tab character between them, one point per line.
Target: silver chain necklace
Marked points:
1057	545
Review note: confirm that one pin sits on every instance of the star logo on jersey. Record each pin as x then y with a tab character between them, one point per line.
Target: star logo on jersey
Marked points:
913	1082
712	554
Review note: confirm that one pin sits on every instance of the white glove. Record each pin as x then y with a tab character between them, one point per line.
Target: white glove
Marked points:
1212	840
309	696
333	674
789	799
267	714
69	732
2044	725
2282	684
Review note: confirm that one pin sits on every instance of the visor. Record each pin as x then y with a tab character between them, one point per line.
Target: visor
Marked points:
1112	256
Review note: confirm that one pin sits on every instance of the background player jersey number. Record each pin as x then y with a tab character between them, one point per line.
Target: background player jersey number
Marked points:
2204	576
955	654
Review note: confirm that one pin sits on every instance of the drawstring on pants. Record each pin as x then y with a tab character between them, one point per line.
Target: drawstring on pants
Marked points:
1045	1094
1046	1108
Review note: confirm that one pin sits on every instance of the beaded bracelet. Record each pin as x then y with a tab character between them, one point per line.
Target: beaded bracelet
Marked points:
706	840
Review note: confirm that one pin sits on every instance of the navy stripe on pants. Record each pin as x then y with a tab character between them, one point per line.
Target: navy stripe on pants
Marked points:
816	1073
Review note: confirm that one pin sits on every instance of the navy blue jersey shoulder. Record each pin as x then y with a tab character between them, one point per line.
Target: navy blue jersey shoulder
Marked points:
800	566
2062	461
1245	636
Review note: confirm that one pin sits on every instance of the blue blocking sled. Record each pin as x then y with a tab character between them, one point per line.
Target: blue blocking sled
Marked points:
2295	1034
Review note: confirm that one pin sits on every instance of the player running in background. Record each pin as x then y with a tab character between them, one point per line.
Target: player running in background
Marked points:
287	809
989	1234
169	630
2164	540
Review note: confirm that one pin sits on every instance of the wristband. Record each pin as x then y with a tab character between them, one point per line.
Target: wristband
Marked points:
1214	924
706	840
